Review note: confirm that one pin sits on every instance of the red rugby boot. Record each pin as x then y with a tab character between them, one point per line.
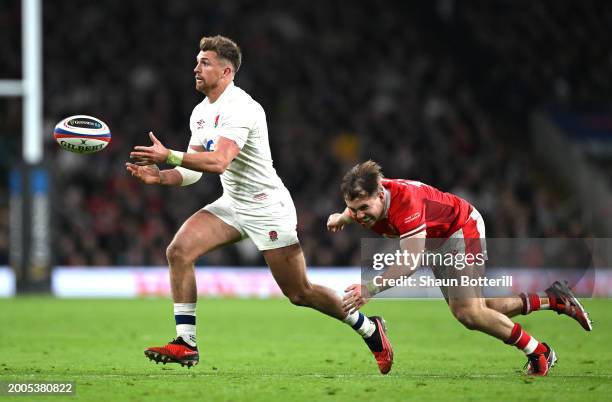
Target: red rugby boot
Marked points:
176	351
563	301
539	364
380	346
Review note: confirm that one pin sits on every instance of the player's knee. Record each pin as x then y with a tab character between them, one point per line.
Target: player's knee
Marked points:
177	254
469	317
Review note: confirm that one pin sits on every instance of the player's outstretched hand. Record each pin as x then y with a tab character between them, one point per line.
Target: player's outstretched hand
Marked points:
147	174
156	153
335	222
355	296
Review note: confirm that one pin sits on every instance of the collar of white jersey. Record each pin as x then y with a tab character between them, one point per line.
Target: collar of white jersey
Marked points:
227	89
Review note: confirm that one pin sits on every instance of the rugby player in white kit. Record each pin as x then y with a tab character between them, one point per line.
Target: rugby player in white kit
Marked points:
229	136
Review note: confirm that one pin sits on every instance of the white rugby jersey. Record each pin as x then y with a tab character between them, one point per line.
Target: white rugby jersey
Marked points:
250	177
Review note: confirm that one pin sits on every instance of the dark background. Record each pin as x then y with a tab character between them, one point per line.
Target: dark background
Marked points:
437	91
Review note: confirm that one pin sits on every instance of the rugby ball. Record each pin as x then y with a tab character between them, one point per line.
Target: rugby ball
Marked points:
82	134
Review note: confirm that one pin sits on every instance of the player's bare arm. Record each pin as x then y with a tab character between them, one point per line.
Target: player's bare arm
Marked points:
358	294
337	221
211	162
149	173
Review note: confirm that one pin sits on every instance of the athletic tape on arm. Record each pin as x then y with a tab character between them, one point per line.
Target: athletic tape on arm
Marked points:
189	176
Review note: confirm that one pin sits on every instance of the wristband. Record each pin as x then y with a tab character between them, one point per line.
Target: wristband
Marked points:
175	158
372	288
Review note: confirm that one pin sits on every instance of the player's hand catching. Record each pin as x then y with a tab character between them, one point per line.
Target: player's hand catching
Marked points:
156	153
355	297
335	222
147	174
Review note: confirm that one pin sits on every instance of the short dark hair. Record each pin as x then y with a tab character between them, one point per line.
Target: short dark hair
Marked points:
225	48
361	181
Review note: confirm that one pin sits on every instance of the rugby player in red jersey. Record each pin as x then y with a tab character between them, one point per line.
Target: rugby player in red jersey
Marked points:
417	213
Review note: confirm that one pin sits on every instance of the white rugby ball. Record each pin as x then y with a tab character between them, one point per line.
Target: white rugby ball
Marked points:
82	134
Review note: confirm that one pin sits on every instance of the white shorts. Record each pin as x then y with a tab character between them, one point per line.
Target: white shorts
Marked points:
470	239
271	226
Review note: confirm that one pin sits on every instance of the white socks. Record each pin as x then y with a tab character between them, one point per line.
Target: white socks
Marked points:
185	318
361	324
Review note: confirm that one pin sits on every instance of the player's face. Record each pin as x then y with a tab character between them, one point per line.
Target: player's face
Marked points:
209	70
367	210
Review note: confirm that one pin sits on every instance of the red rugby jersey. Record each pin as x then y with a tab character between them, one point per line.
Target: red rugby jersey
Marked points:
416	207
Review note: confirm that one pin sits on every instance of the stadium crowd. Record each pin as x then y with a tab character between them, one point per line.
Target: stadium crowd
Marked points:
439	92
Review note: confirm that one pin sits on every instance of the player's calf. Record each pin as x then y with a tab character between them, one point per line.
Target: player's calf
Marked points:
475	316
299	298
469	318
371	329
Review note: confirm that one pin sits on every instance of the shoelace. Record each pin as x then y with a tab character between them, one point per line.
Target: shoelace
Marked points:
180	341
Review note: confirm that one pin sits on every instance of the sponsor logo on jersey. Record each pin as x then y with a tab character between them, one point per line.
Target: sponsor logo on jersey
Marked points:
273	235
210	145
200	124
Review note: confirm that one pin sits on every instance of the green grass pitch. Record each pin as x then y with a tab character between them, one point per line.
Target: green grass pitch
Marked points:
269	350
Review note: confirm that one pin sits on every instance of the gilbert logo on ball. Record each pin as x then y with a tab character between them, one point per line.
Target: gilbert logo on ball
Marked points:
82	134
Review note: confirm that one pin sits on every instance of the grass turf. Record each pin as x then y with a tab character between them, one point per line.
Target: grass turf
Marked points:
269	350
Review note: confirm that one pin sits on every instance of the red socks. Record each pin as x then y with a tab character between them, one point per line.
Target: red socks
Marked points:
532	302
525	342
